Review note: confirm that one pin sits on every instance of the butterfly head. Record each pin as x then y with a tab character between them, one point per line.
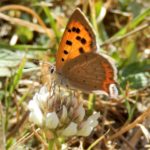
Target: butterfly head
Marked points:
57	77
52	69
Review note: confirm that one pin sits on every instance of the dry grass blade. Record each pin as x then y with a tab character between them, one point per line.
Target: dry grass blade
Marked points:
145	132
39	137
29	11
97	141
23	139
131	125
27	24
119	38
18	126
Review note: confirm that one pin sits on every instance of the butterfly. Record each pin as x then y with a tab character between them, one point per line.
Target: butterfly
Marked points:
78	63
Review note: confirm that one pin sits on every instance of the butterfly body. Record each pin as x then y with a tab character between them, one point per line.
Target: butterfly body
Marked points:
78	64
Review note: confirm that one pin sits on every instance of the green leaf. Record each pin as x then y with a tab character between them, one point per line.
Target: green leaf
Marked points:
52	21
91	103
136	81
23	47
18	76
130	109
131	52
136	67
24	34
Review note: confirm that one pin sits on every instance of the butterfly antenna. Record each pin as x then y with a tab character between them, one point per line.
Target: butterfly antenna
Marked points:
39	62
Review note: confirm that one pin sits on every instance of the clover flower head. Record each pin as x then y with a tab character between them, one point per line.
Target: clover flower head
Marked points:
65	116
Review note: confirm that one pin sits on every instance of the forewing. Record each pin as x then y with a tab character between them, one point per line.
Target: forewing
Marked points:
78	38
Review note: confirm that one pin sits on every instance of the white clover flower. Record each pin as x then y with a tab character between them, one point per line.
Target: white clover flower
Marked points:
42	96
35	115
52	120
81	113
35	106
70	130
88	125
64	116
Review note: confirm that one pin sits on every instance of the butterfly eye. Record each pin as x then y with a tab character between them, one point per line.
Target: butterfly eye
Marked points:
52	69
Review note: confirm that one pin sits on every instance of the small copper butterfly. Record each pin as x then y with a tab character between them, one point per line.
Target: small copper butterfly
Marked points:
78	64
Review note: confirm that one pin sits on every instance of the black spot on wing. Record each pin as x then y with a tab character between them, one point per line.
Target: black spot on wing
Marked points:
77	30
81	50
78	38
83	41
65	52
69	30
68	42
74	29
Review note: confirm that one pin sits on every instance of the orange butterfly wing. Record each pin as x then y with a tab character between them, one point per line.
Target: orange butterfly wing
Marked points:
78	38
